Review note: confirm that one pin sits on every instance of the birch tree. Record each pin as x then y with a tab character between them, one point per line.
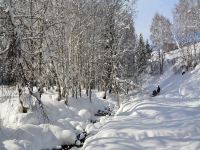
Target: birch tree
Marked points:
161	34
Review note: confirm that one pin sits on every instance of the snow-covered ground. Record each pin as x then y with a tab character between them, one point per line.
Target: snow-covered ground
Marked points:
169	121
31	131
151	124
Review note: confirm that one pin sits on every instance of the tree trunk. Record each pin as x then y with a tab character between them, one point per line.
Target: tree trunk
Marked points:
117	94
64	91
59	91
67	97
105	94
80	90
24	109
73	92
90	91
40	91
76	92
127	88
86	92
110	89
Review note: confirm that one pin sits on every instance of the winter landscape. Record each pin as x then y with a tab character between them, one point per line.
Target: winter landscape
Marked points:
77	75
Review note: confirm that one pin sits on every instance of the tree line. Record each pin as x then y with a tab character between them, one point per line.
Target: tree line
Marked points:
183	33
73	45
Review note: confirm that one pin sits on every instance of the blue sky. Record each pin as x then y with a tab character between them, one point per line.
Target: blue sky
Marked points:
146	10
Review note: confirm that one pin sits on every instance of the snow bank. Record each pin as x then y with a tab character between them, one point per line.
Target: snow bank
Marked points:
149	123
30	131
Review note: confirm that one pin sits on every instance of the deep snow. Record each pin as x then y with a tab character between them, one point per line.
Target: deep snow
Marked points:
169	121
30	131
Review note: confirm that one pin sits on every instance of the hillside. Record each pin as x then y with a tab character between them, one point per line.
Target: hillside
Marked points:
169	121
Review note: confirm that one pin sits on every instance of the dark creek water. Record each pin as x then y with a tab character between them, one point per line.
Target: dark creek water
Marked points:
78	143
82	136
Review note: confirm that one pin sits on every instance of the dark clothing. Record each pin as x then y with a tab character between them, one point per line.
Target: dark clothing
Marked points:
154	93
158	89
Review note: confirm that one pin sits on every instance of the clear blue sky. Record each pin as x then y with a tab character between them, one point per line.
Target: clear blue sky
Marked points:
146	10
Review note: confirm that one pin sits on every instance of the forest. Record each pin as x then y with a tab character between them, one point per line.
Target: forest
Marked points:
77	48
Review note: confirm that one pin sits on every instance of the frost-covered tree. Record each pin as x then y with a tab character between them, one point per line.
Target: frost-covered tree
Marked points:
148	49
141	55
73	45
18	58
161	34
187	27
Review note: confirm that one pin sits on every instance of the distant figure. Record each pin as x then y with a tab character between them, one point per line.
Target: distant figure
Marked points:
158	89
183	72
154	93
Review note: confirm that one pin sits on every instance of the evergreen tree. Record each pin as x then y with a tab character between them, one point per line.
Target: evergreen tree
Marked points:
148	49
141	55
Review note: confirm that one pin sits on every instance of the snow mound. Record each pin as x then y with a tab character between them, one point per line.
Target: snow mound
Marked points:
85	114
12	144
68	137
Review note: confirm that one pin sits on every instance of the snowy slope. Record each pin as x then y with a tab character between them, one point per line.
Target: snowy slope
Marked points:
169	121
151	124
